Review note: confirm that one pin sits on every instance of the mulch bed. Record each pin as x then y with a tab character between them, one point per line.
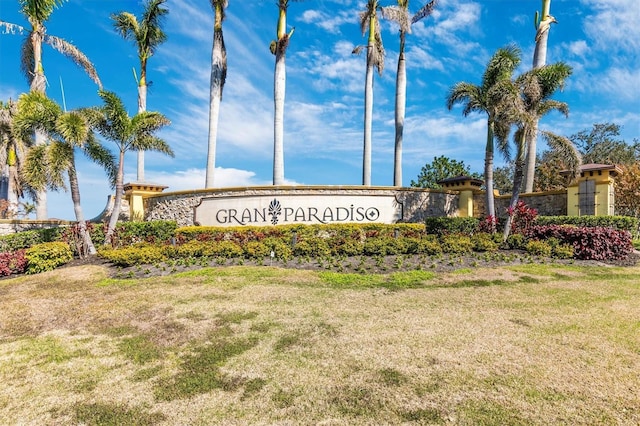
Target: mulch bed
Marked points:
360	264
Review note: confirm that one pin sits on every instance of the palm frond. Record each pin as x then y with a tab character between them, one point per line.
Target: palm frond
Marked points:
73	128
100	155
552	77
548	105
501	65
398	15
39	10
35	168
35	112
10	28
125	24
73	53
465	92
152	143
27	60
378	53
424	11
60	159
565	149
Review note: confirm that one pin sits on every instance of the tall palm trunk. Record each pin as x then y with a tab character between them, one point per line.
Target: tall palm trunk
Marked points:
401	100
218	73
368	105
488	170
539	60
115	213
38	84
77	208
279	82
12	183
142	106
517	180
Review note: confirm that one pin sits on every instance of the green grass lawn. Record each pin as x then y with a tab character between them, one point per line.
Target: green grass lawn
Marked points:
526	345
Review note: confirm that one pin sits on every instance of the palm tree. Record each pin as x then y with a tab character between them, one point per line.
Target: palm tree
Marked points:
147	35
375	58
543	24
13	149
487	98
278	47
37	13
400	14
532	100
218	77
46	165
128	133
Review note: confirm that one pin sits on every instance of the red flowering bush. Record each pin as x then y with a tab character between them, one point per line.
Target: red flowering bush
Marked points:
523	218
13	262
589	243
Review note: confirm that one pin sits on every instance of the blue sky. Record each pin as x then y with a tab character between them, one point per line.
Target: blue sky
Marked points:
600	39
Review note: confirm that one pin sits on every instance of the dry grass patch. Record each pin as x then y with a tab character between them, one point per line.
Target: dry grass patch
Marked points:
537	344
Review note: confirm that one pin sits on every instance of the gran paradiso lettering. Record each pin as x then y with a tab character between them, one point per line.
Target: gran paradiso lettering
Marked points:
290	209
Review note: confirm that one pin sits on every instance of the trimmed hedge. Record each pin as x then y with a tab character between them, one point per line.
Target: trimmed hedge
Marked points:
622	223
451	225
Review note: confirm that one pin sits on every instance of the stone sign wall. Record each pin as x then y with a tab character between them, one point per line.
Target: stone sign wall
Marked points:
320	204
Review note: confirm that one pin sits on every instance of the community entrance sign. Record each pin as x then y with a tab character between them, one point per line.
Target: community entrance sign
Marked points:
297	209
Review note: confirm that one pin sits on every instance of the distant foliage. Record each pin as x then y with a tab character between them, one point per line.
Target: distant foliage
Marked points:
442	168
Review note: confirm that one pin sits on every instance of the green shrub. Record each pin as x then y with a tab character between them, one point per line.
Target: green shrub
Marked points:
539	248
47	256
20	240
226	249
382	246
256	250
137	254
451	225
151	232
428	246
193	248
562	251
345	246
281	249
516	242
313	247
456	243
484	242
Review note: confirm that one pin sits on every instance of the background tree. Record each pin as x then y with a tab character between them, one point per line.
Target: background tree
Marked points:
400	15
128	133
542	23
503	178
46	165
38	13
627	190
442	168
375	58
147	35
596	145
216	84
488	98
600	145
13	148
278	47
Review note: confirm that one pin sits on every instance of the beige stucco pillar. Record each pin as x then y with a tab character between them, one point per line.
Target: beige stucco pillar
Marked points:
135	192
466	186
593	192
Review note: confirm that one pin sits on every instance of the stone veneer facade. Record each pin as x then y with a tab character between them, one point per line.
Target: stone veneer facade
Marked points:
417	203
